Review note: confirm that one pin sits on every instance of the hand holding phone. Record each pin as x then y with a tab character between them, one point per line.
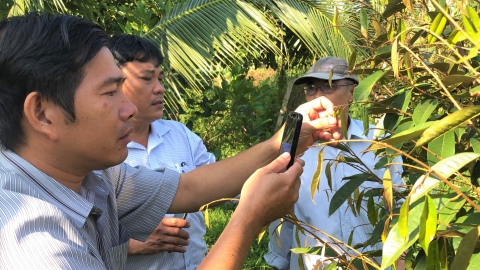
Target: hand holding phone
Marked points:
290	136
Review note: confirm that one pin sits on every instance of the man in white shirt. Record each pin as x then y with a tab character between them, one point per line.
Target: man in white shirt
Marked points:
343	222
158	143
64	115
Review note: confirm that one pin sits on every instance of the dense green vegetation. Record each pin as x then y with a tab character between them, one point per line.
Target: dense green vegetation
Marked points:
419	66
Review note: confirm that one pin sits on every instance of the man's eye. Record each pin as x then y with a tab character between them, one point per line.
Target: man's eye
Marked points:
146	79
111	93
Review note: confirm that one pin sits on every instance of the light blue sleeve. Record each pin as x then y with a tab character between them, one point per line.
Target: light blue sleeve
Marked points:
278	256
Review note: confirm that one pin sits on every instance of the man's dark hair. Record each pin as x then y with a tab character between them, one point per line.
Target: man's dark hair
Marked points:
42	53
128	48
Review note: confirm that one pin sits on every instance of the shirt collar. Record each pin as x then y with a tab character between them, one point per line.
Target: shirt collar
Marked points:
70	202
355	130
155	138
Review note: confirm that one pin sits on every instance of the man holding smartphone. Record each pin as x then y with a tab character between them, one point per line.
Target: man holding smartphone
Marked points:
65	115
341	223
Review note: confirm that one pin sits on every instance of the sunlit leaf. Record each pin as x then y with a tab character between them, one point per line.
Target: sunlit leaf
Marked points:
394	58
437	27
444	147
454	79
403	136
444	168
395	244
474	90
465	249
331	266
474	18
409	5
423	111
402	27
365	86
316	175
450	210
448	123
388	190
262	233
206	217
428	224
403	219
352	60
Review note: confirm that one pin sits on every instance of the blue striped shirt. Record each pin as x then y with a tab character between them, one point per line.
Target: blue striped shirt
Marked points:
45	225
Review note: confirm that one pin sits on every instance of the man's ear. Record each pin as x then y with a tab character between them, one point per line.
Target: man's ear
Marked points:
350	93
41	114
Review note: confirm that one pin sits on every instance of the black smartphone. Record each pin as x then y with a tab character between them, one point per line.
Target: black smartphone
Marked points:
291	133
180	215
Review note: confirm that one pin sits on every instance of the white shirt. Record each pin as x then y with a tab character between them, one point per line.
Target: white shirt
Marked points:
172	145
342	222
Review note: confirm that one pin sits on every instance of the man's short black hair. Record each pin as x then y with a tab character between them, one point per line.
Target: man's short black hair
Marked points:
128	48
42	53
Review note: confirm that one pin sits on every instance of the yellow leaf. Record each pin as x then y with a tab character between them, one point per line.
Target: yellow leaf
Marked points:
317	173
409	5
395	59
388	190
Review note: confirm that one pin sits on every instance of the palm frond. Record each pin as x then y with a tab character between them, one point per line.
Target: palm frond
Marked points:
199	33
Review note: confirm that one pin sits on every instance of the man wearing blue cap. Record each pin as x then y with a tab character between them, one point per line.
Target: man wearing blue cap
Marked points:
342	223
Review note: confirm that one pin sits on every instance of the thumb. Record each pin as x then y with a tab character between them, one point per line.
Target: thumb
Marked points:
279	164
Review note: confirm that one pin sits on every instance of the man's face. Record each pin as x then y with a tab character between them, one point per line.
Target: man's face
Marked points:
342	93
99	136
144	87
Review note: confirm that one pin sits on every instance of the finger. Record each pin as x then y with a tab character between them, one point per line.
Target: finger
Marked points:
279	164
175	232
172	240
176	222
316	108
173	248
295	170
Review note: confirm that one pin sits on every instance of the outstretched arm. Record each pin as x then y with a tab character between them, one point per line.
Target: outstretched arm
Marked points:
267	195
224	179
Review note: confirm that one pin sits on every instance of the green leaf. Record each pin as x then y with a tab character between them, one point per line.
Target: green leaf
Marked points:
363	18
465	249
365	86
448	123
395	244
437	27
423	111
317	173
474	90
433	262
403	219
328	174
475	142
428	224
394	57
454	79
403	136
401	29
474	18
444	147
331	266
450	210
444	168
371	211
344	192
